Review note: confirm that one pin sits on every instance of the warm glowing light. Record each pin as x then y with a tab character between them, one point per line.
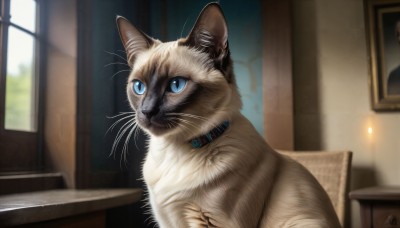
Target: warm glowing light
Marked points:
370	130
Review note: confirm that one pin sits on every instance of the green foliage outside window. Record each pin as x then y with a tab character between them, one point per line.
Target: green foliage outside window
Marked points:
19	99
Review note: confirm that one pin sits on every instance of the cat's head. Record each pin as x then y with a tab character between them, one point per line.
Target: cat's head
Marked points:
182	88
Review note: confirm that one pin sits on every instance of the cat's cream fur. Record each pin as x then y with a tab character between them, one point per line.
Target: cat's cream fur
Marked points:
235	181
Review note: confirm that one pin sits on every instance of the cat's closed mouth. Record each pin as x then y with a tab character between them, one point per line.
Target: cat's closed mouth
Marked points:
156	125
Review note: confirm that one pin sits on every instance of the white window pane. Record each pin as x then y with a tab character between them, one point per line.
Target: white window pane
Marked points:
20	82
23	13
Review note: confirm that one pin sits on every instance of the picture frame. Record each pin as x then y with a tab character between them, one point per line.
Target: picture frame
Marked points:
383	38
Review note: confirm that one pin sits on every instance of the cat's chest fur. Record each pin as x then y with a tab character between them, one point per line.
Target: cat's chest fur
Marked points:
173	174
188	184
171	167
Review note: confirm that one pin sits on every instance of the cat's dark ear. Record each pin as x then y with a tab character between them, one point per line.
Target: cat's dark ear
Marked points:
134	40
210	32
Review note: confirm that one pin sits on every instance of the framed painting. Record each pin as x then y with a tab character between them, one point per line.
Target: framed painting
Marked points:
383	35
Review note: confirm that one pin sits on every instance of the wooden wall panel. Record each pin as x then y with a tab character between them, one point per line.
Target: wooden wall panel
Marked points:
277	74
60	98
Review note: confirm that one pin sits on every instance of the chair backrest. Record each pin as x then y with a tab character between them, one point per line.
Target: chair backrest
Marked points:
332	170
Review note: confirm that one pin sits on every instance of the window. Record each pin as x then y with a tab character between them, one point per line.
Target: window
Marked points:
20	96
20	82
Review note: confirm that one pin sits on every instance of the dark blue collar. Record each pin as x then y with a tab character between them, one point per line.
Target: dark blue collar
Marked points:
210	136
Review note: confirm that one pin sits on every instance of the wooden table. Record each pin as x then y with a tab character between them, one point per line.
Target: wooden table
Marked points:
379	206
63	208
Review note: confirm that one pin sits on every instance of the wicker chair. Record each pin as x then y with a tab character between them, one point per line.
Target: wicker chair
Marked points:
332	170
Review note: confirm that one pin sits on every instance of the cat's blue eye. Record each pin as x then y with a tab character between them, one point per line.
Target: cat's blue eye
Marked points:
177	84
138	87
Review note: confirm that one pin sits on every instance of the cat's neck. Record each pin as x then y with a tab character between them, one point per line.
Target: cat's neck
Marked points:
184	139
166	148
209	137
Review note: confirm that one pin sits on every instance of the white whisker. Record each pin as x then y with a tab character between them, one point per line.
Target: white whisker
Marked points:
120	134
117	63
136	134
120	72
126	144
123	51
181	123
118	121
111	53
120	114
191	116
188	115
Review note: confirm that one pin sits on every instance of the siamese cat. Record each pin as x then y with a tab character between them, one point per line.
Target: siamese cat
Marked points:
206	164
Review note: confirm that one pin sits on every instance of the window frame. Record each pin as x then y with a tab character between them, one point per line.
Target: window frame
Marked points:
21	151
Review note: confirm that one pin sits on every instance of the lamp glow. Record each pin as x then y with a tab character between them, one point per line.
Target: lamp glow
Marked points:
370	130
